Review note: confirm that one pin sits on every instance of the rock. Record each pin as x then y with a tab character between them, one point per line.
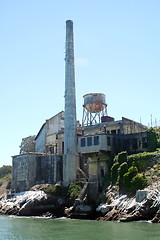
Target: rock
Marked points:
104	208
81	208
68	211
127	209
156	219
23	203
141	195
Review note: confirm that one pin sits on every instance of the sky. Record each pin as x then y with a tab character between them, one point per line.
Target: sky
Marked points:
117	52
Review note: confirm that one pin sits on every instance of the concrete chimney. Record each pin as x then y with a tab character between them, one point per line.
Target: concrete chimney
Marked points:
70	133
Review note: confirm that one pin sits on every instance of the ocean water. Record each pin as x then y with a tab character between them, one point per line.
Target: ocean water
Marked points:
15	228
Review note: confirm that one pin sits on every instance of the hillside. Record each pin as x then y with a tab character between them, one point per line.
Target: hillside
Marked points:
5	180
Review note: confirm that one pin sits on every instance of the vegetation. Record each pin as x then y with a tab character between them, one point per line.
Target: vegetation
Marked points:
71	192
132	172
140	160
128	177
152	138
114	172
5	170
121	171
56	190
27	145
128	171
5	175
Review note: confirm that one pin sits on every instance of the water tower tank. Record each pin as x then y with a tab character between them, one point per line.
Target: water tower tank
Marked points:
94	108
94	102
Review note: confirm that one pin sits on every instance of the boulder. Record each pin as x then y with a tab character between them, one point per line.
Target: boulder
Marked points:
82	208
156	219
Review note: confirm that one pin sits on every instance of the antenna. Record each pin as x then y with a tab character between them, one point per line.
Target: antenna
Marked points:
151	120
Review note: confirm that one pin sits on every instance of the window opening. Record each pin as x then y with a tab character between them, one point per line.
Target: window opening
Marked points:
83	142
89	141
96	140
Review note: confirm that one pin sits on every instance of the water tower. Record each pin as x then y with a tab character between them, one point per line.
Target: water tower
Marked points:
94	108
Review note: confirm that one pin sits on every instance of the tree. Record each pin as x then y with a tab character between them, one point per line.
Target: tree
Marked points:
5	170
27	145
152	138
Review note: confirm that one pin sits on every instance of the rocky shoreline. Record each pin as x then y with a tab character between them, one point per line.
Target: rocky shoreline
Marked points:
144	206
125	209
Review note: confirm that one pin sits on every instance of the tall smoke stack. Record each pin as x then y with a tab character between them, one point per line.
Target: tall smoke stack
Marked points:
70	134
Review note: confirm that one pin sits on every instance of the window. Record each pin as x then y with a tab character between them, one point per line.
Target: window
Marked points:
83	142
52	150
102	172
108	141
134	144
144	142
62	147
89	141
113	131
96	140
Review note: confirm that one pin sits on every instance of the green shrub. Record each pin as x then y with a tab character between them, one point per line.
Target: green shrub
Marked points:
71	192
121	171
152	138
114	172
138	182
127	178
56	190
115	160
122	157
74	190
139	160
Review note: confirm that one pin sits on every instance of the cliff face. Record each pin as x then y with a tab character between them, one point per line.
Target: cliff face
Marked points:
143	205
33	203
3	190
123	208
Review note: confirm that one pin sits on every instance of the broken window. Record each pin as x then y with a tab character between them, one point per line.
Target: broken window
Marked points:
52	150
134	144
144	142
96	140
62	147
108	141
113	131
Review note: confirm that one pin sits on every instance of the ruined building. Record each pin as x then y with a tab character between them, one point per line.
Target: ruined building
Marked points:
67	151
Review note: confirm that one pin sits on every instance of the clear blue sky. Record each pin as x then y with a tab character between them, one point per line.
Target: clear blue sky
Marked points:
117	52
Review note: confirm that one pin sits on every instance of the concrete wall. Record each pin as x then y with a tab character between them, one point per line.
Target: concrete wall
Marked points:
48	134
54	124
30	169
95	146
97	167
41	140
130	126
23	172
133	143
49	169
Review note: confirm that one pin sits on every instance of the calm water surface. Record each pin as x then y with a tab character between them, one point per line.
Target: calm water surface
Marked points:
12	228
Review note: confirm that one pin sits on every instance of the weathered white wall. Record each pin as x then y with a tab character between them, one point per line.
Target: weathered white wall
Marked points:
54	124
94	148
